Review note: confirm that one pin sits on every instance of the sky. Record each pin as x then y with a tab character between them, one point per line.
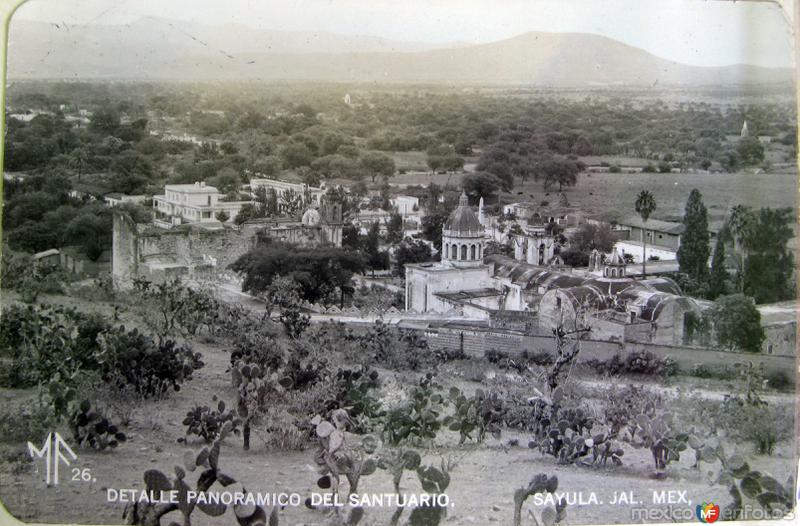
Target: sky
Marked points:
696	32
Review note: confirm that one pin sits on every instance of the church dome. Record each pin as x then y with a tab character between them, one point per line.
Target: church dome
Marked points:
463	219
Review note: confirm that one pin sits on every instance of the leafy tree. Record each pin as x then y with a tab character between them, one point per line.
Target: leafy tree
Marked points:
481	184
737	323
411	252
590	236
319	271
694	250
751	151
376	259
769	267
376	163
91	229
432	225
394	229
297	154
645	206
282	293
222	216
350	237
556	170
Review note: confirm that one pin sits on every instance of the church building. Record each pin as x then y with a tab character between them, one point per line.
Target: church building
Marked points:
467	283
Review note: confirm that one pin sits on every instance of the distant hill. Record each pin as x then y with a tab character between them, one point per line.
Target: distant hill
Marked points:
163	49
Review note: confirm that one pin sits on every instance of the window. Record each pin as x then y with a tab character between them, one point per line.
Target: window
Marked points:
463	251
454	252
209	200
558	302
472	253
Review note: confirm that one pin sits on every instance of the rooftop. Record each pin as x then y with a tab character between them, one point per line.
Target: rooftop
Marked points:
656	225
196	188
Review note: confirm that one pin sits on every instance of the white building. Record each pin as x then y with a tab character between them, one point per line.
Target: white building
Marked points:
406	205
192	203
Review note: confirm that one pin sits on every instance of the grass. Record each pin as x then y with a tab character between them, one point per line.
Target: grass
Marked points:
612	196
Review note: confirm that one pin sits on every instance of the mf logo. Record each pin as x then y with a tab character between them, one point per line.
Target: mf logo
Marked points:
707	512
53	454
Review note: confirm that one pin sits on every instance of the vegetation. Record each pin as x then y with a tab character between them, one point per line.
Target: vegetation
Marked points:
645	206
695	250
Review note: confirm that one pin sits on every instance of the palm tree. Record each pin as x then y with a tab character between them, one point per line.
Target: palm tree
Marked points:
645	205
740	221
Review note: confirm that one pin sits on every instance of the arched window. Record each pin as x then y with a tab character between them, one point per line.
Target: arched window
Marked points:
613	273
472	253
541	254
453	251
480	251
605	272
446	250
463	251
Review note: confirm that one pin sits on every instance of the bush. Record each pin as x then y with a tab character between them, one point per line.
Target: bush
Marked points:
151	369
94	429
39	342
636	362
780	380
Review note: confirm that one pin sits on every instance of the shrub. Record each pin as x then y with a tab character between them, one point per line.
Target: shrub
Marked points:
636	362
173	309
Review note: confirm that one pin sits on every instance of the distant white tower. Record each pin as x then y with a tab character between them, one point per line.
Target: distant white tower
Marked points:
745	131
480	212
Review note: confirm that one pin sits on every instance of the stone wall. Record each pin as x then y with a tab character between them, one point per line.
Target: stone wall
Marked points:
186	251
475	342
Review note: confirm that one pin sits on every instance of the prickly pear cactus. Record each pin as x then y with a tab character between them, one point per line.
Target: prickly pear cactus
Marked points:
207	461
90	428
541	483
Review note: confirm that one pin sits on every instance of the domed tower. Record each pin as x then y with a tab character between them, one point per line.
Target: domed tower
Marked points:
614	266
463	237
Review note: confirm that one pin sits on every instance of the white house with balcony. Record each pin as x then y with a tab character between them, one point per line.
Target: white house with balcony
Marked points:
192	203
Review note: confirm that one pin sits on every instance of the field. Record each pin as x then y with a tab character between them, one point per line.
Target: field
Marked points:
483	480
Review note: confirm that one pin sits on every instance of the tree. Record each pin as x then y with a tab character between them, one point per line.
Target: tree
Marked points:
737	323
750	150
222	216
297	154
694	249
481	184
319	271
376	163
718	281
394	229
591	236
91	229
645	206
376	259
556	170
282	293
432	228
740	223
411	252
769	268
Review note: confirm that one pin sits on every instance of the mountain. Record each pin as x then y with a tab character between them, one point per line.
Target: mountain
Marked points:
163	49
